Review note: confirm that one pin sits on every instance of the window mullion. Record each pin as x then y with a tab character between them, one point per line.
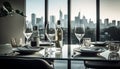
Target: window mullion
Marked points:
97	20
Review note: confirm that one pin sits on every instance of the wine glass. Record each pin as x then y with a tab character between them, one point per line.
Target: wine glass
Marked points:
79	31
27	32
50	32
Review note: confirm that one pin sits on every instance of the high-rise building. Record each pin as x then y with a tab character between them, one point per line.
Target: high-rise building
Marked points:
38	20
41	26
106	21
118	23
91	24
60	15
65	21
77	20
52	19
113	22
84	21
79	15
33	19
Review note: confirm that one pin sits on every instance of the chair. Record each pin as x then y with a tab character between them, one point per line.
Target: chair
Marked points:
23	63
102	64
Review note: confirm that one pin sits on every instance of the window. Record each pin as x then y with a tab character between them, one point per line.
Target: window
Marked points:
83	11
110	20
35	14
57	10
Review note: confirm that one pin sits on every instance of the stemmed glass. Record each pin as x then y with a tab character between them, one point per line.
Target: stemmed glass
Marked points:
79	31
27	32
50	32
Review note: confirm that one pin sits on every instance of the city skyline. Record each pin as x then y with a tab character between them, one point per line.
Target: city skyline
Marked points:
78	14
108	8
88	22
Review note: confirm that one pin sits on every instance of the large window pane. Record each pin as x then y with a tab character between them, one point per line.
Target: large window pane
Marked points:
110	19
83	11
57	10
35	14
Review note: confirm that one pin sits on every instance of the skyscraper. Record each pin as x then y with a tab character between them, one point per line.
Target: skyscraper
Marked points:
79	15
38	20
60	15
106	21
113	22
52	19
33	19
65	21
118	23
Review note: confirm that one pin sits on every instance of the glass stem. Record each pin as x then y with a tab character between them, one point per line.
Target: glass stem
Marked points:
27	42
80	43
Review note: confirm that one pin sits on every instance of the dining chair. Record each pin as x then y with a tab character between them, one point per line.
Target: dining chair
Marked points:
24	63
102	64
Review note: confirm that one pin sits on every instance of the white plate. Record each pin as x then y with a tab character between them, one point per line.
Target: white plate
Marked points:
91	50
98	43
29	50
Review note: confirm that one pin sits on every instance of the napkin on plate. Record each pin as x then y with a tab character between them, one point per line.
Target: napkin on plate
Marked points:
46	44
27	49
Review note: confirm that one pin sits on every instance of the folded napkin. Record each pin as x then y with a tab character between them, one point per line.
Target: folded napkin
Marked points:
46	44
27	49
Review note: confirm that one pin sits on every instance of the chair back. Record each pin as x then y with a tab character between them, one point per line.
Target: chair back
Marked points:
23	63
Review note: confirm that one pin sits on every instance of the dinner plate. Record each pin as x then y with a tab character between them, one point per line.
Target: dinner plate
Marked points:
98	43
27	50
91	50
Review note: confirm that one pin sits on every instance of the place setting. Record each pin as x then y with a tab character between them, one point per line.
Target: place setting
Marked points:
88	49
113	51
27	50
32	42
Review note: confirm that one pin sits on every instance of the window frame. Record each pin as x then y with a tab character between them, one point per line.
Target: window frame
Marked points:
69	19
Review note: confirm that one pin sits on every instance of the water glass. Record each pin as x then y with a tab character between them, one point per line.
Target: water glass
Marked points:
79	30
87	42
114	46
113	56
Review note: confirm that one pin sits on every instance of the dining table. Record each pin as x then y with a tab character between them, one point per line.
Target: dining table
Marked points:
75	55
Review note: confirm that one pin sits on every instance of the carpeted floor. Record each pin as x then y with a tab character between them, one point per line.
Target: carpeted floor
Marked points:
62	64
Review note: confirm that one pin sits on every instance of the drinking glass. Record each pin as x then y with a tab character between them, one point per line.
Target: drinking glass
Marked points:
27	32
113	56
79	31
50	32
87	42
114	46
